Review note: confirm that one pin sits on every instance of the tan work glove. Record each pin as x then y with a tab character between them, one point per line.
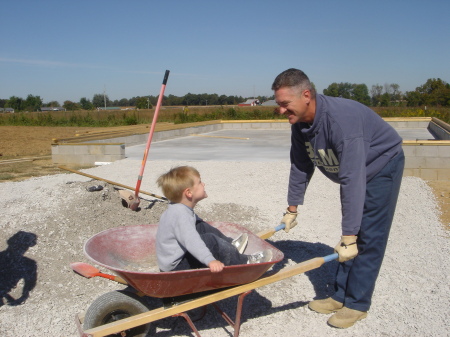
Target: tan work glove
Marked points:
347	248
289	220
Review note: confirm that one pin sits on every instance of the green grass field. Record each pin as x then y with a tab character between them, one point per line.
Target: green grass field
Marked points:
177	115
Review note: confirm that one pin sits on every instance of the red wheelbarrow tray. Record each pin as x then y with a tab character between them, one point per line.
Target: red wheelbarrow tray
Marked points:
130	252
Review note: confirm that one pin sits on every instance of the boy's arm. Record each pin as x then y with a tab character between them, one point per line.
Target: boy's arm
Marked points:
189	238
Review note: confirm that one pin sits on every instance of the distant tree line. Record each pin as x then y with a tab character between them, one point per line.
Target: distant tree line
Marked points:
435	92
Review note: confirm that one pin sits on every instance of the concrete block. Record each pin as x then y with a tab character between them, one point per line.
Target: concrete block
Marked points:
443	174
401	125
407	172
96	149
86	160
415	162
409	150
429	174
113	150
55	149
109	158
57	158
437	162
77	149
444	151
427	151
235	126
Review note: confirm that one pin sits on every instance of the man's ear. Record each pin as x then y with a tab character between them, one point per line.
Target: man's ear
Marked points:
307	94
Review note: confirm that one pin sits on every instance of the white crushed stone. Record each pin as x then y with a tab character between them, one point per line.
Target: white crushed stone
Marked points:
412	296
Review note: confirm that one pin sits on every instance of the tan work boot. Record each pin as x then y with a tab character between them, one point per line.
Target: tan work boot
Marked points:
346	317
325	306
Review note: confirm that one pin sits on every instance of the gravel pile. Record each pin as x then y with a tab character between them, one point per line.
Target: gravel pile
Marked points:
45	222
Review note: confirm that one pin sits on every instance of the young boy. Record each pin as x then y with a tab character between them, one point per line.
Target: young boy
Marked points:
183	240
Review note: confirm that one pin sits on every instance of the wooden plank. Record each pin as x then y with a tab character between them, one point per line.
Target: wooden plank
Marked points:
111	182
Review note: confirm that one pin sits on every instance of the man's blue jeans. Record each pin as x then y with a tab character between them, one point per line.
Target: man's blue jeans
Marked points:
355	279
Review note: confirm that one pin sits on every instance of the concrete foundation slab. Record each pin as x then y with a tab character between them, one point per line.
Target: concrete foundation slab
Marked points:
427	156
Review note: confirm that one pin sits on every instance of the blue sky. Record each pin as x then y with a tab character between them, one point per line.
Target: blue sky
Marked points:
65	50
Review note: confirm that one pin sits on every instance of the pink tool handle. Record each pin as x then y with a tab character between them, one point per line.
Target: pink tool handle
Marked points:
150	135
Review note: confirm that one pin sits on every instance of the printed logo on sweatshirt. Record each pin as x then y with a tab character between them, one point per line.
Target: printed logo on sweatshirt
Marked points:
323	157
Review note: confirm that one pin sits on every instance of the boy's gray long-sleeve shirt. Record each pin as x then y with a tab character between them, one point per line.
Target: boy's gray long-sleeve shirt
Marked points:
176	235
350	144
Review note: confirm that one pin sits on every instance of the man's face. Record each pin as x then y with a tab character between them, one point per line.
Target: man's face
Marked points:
294	104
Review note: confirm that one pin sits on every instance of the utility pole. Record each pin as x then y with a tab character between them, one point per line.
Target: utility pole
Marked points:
104	95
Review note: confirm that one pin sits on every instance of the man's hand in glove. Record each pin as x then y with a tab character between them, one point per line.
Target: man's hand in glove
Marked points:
289	220
347	248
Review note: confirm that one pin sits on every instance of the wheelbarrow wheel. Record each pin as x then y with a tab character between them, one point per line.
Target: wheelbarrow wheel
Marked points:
114	306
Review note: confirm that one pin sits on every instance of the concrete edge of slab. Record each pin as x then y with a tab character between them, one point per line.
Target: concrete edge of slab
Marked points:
428	159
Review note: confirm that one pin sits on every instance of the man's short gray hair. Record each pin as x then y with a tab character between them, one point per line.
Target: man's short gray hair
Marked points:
293	78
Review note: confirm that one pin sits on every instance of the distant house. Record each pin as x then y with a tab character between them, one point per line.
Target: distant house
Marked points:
270	103
109	108
250	102
10	110
52	108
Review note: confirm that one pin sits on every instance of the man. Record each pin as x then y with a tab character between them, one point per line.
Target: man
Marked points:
351	145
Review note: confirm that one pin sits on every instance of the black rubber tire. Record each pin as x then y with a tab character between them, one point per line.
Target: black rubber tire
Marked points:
113	306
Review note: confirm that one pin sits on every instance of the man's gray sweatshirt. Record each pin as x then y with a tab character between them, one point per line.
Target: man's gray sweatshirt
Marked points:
350	144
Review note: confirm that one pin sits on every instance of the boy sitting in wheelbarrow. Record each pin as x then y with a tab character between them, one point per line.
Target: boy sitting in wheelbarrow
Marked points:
183	240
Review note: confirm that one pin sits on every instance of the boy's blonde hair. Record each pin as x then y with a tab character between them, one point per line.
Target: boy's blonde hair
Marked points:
174	182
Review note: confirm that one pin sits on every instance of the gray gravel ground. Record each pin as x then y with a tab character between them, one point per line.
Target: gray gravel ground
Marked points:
57	215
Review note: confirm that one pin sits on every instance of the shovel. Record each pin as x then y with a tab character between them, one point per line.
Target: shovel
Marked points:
133	199
88	271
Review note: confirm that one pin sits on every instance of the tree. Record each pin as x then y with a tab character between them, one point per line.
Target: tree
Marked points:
356	92
143	103
86	104
360	93
99	100
385	99
32	103
434	92
71	106
15	103
332	90
342	89
376	92
412	98
52	104
222	100
396	93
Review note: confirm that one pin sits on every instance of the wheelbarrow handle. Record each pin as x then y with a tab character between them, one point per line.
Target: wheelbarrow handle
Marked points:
330	257
269	232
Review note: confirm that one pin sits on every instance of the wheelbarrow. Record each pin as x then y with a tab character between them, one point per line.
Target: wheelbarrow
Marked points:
130	252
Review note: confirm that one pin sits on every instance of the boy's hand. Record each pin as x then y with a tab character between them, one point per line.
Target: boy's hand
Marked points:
216	266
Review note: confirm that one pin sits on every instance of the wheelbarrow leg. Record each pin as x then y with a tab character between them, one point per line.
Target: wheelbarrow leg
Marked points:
237	324
189	321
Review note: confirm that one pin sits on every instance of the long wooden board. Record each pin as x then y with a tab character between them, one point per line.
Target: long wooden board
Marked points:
111	182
